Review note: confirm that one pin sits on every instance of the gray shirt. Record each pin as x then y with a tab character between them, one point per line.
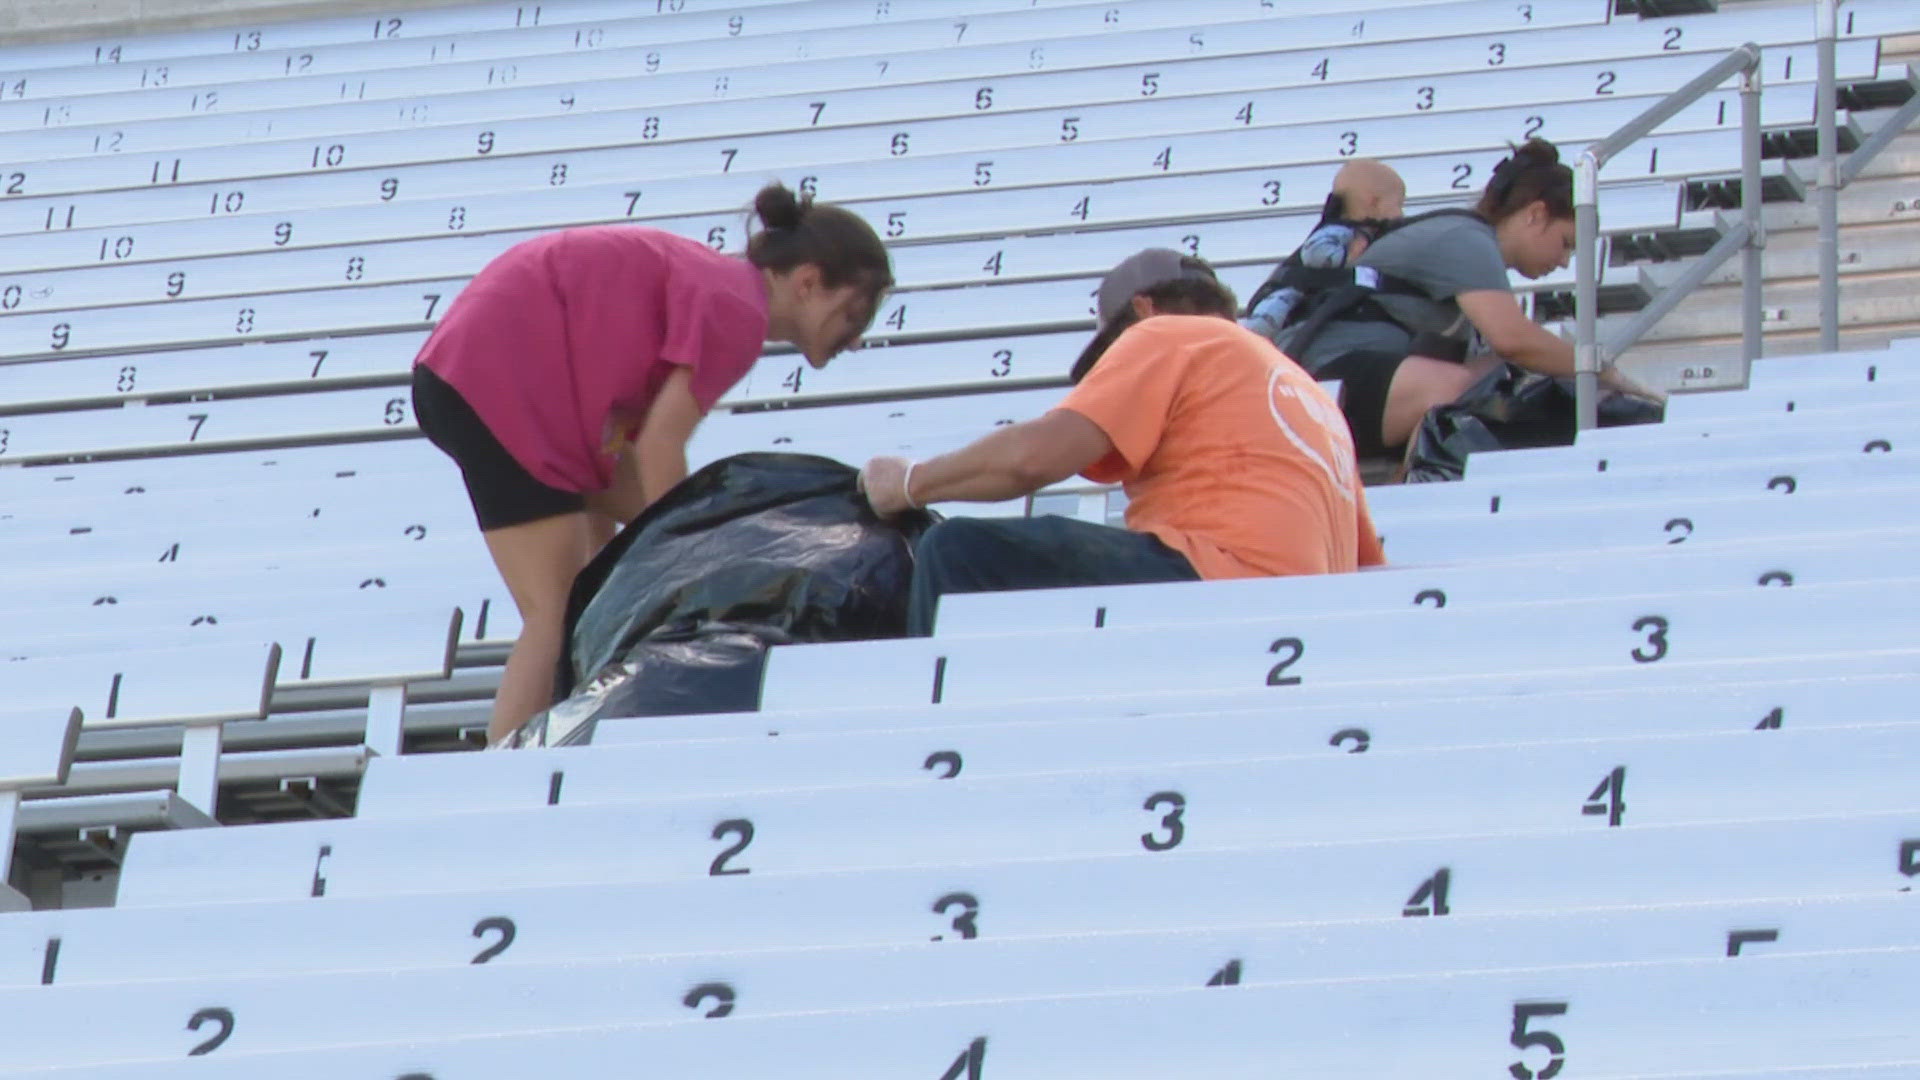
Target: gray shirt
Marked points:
1446	256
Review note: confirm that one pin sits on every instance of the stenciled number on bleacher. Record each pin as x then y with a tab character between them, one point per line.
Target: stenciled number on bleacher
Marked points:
1608	798
319	357
948	758
297	65
1683	525
199	420
432	300
1496	54
484	144
1191	242
1164	159
395	412
128	375
495	924
1320	70
1423	98
1362	742
557	176
217	1015
717	238
176	284
1271	190
1349	143
1002	363
964	922
1534	124
1069	128
969	1065
1174	821
896	224
1245	115
1227	976
1430	899
1671	40
1523	1039
243	322
1655	648
386	28
283	234
329	156
650	128
792	381
1150	84
120	247
1909	858
1605	81
1294	649
6	437
10	297
456	219
1462	176
720	994
165	172
735	24
741	828
356	268
897	320
246	41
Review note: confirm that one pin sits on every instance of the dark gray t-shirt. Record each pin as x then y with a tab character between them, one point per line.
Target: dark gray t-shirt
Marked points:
1446	255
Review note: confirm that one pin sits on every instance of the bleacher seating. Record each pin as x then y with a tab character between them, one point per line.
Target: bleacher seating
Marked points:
1607	773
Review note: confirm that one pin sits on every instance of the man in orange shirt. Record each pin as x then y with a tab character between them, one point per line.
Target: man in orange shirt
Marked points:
1235	463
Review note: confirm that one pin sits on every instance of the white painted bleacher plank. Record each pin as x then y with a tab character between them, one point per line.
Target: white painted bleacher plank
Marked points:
1055	38
312	108
1543	577
1786	475
313	1011
657	769
1764	1016
1863	431
36	746
1387	797
229	681
1604	633
307	33
694	188
1898	361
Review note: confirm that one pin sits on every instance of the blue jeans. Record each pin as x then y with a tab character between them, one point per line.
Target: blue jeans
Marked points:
962	555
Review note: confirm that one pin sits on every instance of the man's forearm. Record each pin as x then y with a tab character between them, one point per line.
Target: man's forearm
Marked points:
992	469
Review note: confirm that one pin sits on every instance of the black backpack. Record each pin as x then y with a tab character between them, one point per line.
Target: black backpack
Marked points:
1348	292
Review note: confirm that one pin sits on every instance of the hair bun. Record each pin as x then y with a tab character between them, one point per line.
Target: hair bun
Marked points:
1536	152
779	208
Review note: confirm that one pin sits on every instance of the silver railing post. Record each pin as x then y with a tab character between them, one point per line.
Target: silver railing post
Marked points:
1743	61
1827	193
1750	198
1586	289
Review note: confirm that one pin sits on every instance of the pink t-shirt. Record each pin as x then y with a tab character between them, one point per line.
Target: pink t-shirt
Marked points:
561	343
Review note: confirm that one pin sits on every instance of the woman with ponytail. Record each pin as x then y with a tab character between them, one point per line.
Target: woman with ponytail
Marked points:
1404	352
568	376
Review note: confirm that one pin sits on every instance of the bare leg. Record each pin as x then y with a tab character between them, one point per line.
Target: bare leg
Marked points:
619	504
1419	384
538	560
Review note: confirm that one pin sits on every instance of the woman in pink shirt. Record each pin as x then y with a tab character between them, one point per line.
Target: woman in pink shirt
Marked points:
567	377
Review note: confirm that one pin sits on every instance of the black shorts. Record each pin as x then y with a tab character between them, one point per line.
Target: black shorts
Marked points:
502	491
1365	377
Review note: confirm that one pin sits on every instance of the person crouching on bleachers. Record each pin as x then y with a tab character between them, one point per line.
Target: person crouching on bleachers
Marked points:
1235	462
568	376
1437	309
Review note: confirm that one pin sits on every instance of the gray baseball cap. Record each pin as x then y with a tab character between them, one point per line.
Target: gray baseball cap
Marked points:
1142	271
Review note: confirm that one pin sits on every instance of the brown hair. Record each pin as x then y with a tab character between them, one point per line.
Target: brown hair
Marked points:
1532	174
1179	296
799	231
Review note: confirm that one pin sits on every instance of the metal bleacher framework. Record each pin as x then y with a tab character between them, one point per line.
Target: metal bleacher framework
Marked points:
1606	775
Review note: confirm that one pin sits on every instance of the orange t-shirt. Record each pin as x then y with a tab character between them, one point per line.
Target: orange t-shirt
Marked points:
1229	452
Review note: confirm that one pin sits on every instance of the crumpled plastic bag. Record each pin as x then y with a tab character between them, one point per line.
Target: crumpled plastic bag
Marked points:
676	614
1509	409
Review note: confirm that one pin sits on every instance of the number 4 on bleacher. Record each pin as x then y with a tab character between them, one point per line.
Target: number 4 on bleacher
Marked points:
967	1065
1608	797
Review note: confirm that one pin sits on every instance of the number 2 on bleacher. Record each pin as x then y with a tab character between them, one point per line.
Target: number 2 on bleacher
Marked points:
1294	650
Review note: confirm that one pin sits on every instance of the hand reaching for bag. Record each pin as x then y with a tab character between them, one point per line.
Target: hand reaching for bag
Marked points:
884	482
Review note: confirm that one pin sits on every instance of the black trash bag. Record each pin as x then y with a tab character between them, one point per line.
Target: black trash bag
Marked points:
676	614
1509	409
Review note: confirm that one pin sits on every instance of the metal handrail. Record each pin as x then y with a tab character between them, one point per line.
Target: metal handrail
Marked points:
1747	236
